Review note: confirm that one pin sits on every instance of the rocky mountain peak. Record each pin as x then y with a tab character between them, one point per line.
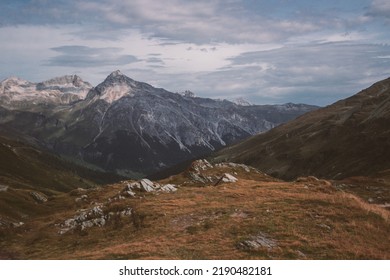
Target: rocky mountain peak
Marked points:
14	81
241	102
118	85
116	73
188	93
66	81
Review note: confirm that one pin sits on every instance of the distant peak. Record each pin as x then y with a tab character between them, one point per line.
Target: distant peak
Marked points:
118	76
116	73
241	102
66	80
14	79
188	93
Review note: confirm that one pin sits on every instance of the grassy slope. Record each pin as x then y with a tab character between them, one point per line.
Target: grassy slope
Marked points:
348	138
307	220
24	168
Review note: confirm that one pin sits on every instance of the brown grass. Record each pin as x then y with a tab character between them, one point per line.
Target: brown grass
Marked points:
210	222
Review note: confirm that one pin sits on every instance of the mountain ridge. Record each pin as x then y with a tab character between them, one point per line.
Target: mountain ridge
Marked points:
347	138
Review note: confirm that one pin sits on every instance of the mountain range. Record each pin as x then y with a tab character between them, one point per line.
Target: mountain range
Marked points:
53	208
130	127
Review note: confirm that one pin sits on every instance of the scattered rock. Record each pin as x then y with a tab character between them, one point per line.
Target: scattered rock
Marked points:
125	212
168	188
83	198
226	178
236	165
16	225
3	188
325	226
239	214
257	242
147	185
201	164
301	254
39	197
196	177
133	186
129	193
88	218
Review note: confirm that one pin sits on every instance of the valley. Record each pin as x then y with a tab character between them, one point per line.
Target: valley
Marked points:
305	182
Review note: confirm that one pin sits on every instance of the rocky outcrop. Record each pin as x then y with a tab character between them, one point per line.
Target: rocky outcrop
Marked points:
94	217
99	215
146	185
204	172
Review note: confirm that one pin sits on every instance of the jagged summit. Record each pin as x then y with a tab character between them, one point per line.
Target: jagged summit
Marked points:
118	85
241	102
66	84
13	81
116	73
19	93
66	80
118	77
188	93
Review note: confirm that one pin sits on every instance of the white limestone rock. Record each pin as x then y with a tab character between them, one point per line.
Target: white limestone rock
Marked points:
169	188
227	178
147	185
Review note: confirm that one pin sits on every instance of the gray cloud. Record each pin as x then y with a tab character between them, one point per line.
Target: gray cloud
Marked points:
82	56
379	9
155	60
319	72
303	69
200	21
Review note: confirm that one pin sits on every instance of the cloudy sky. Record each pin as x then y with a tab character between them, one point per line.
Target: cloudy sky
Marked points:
267	51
